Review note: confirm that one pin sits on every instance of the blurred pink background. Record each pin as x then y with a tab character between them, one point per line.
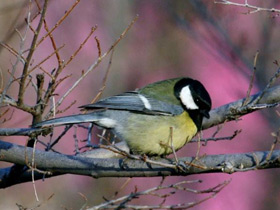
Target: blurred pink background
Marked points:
213	43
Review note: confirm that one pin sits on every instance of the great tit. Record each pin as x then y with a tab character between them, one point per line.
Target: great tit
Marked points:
153	120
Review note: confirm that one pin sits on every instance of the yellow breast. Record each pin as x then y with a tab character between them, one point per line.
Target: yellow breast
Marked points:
155	135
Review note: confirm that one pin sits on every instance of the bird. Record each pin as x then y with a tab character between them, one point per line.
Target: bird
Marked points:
155	120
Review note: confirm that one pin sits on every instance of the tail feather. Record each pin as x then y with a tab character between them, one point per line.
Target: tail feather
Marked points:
68	120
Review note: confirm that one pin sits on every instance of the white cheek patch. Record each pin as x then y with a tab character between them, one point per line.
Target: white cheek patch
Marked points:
187	99
107	122
145	102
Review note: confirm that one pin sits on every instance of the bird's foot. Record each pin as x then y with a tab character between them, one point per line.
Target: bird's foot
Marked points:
181	166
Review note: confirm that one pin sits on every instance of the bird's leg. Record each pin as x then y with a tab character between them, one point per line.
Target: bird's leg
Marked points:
89	144
182	166
89	134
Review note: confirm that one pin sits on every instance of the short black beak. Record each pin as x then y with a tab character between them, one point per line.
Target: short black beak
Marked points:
205	113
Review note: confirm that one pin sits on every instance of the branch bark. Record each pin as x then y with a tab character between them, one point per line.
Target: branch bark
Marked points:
231	111
58	164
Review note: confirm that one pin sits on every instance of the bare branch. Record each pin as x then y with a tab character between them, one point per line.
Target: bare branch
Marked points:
59	21
122	202
93	29
45	59
205	140
98	95
57	164
253	8
30	54
252	79
13	51
19	57
233	111
51	36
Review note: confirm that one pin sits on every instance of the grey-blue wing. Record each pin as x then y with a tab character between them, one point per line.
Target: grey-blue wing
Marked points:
135	102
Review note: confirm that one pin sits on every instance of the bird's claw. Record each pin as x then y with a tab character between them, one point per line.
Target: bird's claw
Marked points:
182	166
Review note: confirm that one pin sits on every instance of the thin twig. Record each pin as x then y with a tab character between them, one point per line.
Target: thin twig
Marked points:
122	187
205	140
172	146
19	55
270	83
30	55
32	169
51	37
13	51
98	46
98	95
246	5
121	203
59	21
45	59
1	81
50	146
85	205
68	107
93	29
219	128
252	80
276	141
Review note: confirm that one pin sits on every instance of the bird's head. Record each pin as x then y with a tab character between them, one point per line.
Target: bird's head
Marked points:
193	96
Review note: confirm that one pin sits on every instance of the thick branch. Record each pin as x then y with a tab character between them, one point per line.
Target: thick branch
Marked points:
18	131
58	164
232	110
